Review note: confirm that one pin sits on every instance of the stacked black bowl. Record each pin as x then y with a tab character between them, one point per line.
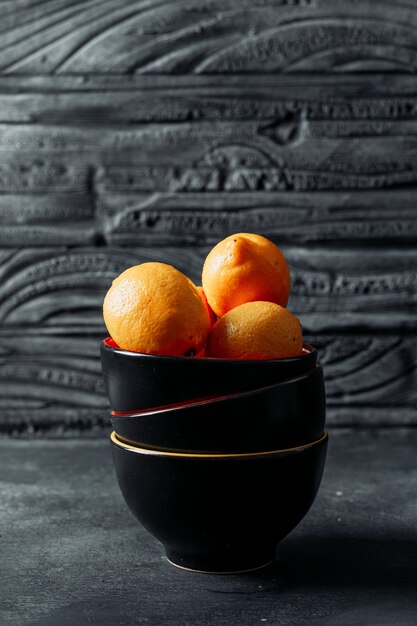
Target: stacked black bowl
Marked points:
219	459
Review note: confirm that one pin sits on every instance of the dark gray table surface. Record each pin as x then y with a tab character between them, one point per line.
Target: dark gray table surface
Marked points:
72	554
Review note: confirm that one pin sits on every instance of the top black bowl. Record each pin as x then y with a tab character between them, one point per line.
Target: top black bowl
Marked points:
137	381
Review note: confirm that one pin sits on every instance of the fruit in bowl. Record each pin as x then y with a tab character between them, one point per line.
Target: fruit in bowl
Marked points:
172	341
238	312
256	330
154	308
245	268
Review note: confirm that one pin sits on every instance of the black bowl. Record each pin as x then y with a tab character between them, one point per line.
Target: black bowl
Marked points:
137	381
285	415
219	513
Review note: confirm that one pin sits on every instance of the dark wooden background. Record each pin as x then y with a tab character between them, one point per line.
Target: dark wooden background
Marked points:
149	130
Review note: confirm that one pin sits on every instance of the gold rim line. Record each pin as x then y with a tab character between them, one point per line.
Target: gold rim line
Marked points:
154	452
204	571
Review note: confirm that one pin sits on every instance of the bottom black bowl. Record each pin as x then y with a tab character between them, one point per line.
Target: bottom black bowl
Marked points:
219	513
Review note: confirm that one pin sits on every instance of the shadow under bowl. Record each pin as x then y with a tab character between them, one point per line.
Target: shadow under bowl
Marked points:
285	415
136	381
219	513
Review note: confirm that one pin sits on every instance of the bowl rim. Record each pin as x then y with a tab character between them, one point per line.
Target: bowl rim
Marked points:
114	438
308	351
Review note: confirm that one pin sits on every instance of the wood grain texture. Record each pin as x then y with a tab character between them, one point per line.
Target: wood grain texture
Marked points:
129	217
101	172
207	156
158	161
207	36
204	135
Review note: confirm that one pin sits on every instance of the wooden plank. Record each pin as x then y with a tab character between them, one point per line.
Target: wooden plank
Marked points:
47	219
38	371
207	157
294	135
204	156
369	288
392	94
132	218
373	101
159	219
195	218
209	36
187	158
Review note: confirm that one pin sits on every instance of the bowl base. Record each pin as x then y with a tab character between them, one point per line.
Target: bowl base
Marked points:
229	566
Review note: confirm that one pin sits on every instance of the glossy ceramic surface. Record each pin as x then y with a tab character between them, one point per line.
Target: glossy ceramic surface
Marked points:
136	381
219	513
288	414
